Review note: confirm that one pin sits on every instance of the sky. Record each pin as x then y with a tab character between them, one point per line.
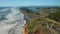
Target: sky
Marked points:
14	3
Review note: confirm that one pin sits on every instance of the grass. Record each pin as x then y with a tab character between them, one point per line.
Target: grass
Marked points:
36	23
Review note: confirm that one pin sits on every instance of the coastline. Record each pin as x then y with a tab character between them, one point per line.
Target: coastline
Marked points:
25	31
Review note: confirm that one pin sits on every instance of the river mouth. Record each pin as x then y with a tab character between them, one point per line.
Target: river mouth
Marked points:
13	23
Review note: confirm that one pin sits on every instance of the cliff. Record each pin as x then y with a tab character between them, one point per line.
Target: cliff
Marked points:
41	23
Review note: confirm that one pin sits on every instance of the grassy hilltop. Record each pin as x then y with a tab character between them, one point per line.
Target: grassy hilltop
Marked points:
46	21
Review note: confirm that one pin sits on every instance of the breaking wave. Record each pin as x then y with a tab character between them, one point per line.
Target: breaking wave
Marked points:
11	21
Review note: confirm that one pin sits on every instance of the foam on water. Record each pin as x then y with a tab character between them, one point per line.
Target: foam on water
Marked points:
13	23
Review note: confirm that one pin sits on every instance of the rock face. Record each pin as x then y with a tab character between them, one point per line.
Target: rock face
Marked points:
13	23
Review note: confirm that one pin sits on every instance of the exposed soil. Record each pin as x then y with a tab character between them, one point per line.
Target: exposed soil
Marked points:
25	29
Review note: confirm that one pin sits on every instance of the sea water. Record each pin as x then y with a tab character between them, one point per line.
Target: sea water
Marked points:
12	22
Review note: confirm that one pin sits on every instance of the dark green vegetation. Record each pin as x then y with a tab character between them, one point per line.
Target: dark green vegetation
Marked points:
46	21
55	16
